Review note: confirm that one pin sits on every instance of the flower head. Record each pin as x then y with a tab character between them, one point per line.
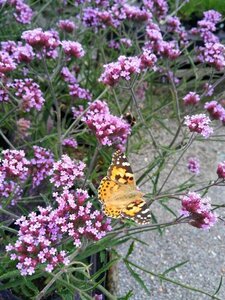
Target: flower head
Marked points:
193	165
199	210
191	98
200	124
66	25
65	171
215	110
73	49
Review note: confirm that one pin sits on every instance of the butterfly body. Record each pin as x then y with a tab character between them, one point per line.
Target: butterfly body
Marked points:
119	194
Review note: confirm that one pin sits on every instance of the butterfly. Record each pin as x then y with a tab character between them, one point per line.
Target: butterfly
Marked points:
119	194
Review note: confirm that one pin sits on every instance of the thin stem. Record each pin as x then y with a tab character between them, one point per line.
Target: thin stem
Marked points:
92	164
142	119
58	111
14	216
6	140
175	164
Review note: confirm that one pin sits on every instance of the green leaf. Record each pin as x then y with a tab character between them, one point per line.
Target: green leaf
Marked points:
219	286
130	250
175	267
136	276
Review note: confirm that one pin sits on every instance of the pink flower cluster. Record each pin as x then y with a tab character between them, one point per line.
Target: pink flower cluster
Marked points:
13	170
158	8
41	165
14	165
39	39
200	124
193	165
23	125
70	142
29	92
73	49
110	130
36	241
213	54
215	110
208	25
18	52
40	232
191	98
23	13
125	67
65	171
199	210
113	15
157	45
82	220
66	25
7	64
221	170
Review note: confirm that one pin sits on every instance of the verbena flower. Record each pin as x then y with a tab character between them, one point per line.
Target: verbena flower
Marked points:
40	232
215	110
199	210
200	124
9	190
7	64
110	130
209	90
4	96
73	49
66	171
39	39
193	165
213	54
29	92
41	165
70	142
159	8
14	164
191	98
23	125
221	170
23	13
67	25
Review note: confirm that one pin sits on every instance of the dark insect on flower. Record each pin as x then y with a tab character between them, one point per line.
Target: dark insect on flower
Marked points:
130	119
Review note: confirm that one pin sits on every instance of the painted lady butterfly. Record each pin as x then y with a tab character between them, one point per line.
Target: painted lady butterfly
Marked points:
118	192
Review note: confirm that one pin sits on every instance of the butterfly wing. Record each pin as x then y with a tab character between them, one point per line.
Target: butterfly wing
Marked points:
118	192
120	170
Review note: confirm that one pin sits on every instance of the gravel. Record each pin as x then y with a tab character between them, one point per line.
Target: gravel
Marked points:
202	249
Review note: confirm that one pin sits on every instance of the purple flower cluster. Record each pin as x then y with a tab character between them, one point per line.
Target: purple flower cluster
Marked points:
110	130
157	45
67	25
14	165
208	25
29	92
40	232
191	98
39	39
113	15
73	49
70	142
23	126
200	124
221	170
213	54
199	210
14	169
23	13
193	165
215	110
158	8
41	165
125	67
7	64
65	171
18	52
